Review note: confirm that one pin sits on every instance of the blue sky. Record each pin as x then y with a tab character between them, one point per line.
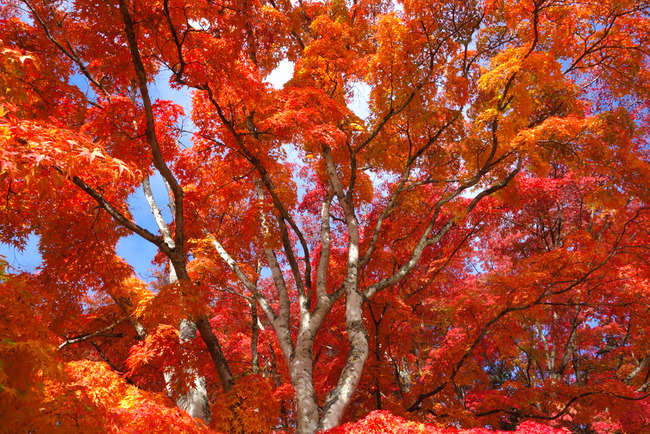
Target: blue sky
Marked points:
133	249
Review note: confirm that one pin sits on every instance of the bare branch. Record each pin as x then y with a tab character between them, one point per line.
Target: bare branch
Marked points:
70	53
155	210
91	335
117	215
158	160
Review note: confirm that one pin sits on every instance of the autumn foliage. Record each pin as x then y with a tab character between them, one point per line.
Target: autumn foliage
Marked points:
384	422
439	222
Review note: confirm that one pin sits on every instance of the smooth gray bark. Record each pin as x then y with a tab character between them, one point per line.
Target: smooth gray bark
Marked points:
195	402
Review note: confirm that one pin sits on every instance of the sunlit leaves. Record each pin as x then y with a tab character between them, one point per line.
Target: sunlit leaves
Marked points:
250	407
385	422
27	357
495	149
94	397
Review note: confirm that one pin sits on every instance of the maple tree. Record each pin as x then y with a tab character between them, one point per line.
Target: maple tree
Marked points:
469	250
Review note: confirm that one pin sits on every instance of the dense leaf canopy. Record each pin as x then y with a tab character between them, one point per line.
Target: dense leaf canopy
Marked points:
442	215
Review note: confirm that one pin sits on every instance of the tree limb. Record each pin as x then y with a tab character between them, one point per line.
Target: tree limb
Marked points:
88	336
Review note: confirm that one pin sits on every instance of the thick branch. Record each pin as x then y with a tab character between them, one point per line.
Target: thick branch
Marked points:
157	214
91	335
283	215
118	216
70	54
248	283
425	239
418	402
399	188
637	370
216	353
152	139
276	271
326	244
564	409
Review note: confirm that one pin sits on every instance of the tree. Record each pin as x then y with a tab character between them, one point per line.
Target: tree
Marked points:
476	240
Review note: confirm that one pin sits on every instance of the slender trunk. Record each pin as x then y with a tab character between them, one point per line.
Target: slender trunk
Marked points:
127	307
255	331
273	367
219	360
377	323
339	398
302	380
378	361
377	394
404	377
195	401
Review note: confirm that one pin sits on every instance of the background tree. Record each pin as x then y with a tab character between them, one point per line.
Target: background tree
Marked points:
471	249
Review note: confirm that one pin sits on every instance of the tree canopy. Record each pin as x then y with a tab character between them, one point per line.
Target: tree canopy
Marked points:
469	249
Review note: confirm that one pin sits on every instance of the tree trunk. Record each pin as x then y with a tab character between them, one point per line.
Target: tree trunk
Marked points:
195	401
306	403
214	348
300	365
339	398
255	333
